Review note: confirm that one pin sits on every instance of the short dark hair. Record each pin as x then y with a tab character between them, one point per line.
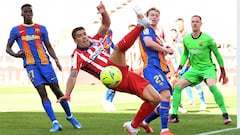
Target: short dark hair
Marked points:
75	30
152	9
26	5
197	16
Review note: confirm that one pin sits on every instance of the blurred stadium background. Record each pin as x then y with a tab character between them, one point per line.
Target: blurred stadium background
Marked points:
61	16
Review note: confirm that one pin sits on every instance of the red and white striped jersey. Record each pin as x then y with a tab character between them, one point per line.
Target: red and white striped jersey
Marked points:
92	59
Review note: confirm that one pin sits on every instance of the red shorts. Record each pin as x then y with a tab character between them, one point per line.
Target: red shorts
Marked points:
131	82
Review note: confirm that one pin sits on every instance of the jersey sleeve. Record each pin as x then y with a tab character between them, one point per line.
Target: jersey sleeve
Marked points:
44	33
13	35
146	32
217	54
75	61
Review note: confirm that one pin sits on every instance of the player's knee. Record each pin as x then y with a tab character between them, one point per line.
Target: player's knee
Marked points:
156	100
182	83
151	95
165	95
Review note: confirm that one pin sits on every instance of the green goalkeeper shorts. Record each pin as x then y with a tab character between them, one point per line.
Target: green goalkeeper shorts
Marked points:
196	76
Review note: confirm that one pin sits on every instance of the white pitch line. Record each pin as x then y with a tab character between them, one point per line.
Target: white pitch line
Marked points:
217	131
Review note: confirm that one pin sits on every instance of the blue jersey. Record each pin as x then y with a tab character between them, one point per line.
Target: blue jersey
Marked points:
30	40
36	61
150	56
155	66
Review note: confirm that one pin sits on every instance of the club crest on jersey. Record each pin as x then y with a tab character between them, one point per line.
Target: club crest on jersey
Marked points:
200	44
37	30
146	31
97	52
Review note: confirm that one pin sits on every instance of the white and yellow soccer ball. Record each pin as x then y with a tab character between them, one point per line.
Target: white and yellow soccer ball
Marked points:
111	76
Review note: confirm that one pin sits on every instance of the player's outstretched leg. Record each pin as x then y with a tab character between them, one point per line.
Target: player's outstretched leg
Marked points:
128	40
145	22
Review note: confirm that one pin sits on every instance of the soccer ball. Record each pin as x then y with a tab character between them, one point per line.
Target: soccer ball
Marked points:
111	76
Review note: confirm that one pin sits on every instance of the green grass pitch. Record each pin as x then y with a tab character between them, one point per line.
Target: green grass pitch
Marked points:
21	113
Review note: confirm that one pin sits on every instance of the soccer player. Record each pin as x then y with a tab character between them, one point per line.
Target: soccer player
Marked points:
90	57
32	40
110	94
153	51
198	48
181	33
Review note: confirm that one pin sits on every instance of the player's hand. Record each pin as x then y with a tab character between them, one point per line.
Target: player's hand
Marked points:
177	72
169	50
223	77
101	8
20	54
58	64
63	98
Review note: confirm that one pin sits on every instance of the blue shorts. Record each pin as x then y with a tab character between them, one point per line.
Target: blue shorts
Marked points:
41	74
157	78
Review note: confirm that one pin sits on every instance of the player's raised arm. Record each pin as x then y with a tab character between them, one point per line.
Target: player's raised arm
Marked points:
105	19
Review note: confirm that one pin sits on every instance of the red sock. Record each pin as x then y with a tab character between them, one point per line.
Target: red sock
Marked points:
129	39
142	113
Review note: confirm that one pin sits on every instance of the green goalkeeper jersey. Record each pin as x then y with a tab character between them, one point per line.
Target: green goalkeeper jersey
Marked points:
199	51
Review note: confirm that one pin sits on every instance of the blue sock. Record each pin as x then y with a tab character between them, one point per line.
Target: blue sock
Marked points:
189	93
151	117
164	112
200	93
66	108
109	95
49	110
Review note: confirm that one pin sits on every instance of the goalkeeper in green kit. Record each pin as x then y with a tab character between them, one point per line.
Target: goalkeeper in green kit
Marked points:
198	48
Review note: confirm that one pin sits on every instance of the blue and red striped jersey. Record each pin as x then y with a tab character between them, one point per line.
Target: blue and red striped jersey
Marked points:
30	40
